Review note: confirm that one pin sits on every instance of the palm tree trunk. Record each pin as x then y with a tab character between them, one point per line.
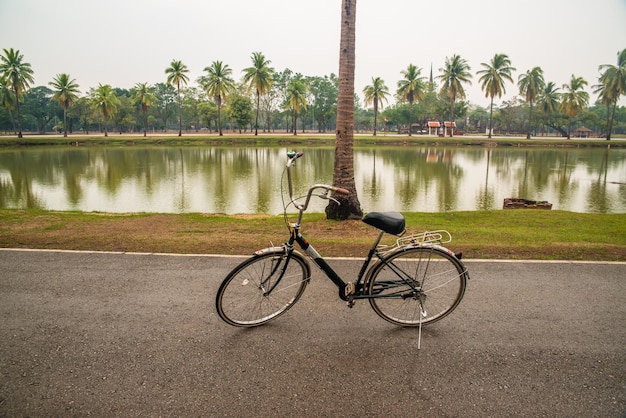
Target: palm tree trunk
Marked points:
343	173
490	119
219	115
410	116
256	120
145	121
64	122
452	109
375	113
569	128
17	109
180	115
530	120
610	125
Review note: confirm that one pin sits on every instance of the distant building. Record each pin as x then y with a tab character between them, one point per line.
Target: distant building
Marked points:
433	127
582	132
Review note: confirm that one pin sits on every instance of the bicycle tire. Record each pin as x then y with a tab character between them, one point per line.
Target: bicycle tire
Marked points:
414	281
256	291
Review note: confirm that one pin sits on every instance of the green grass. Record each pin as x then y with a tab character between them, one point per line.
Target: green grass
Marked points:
302	138
498	234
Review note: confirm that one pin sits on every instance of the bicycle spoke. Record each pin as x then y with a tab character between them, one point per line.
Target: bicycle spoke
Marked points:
416	286
259	290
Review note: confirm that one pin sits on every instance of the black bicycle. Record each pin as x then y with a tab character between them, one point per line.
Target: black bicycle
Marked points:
414	282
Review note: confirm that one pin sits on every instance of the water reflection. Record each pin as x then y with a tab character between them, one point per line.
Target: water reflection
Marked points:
247	180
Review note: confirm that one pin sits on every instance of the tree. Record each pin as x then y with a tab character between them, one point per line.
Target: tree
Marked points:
530	84
323	91
492	79
83	112
39	108
296	100
412	88
612	87
105	103
573	100
240	111
18	75
143	96
375	94
343	172
165	99
177	75
207	111
218	84
259	78
66	94
549	100
454	74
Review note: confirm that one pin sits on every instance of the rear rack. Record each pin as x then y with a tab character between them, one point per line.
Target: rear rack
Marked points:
425	238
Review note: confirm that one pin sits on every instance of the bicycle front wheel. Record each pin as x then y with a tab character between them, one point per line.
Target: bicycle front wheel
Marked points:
262	288
416	285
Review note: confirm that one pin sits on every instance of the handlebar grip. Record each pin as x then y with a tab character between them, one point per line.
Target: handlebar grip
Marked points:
341	191
293	155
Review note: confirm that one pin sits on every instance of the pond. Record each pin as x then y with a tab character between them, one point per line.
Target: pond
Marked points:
242	179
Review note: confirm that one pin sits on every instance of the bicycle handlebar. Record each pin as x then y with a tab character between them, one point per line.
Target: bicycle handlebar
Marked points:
293	156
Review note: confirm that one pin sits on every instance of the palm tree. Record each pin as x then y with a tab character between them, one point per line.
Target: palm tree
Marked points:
375	94
104	102
454	74
17	75
259	78
612	87
550	98
412	88
296	99
493	76
143	96
574	99
177	75
218	84
530	84
66	95
343	172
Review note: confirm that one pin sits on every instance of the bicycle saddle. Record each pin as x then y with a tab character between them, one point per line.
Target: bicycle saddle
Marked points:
390	222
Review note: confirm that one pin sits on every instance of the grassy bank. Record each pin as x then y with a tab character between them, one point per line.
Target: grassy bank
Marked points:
301	139
500	234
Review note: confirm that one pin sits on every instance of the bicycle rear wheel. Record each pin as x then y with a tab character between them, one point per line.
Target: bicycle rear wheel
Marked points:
414	282
262	288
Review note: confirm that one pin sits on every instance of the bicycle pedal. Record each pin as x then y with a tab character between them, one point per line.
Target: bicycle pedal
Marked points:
349	289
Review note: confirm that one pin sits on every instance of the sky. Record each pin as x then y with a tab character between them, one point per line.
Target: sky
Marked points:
124	42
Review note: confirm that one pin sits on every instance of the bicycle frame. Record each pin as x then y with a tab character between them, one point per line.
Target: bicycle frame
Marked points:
347	290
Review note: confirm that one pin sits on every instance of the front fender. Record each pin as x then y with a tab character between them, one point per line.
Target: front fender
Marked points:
284	250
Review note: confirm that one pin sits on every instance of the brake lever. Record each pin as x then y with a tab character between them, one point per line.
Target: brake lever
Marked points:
327	197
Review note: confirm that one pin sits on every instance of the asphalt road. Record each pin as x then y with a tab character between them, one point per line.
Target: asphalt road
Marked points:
127	335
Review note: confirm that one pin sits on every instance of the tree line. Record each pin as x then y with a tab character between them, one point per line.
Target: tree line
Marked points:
267	100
